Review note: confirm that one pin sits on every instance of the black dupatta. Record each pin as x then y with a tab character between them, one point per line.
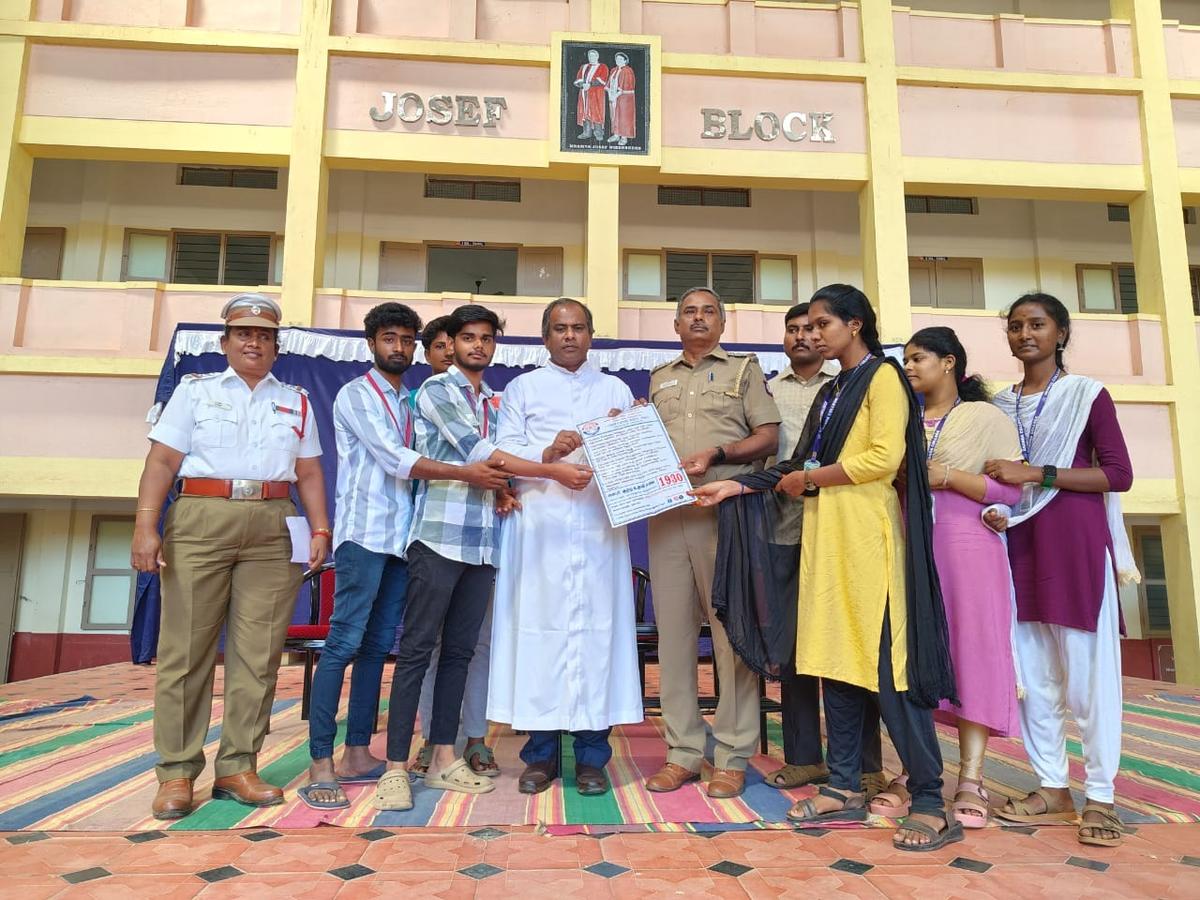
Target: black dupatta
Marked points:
930	670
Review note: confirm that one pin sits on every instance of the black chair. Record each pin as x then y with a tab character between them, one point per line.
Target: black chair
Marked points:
647	646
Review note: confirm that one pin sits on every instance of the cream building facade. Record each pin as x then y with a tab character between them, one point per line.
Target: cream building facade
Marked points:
156	155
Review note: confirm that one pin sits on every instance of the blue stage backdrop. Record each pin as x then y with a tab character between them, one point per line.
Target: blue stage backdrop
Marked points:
322	360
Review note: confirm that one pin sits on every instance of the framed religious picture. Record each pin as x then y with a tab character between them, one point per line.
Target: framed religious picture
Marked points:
605	97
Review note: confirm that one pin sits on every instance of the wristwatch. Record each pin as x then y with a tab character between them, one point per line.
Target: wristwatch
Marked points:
1049	473
718	456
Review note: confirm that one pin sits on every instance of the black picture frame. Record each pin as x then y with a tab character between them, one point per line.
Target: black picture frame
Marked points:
577	137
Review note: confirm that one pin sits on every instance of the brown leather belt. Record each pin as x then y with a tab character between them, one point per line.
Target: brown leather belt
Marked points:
235	488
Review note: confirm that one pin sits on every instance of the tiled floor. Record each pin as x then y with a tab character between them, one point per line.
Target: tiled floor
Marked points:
1158	861
325	862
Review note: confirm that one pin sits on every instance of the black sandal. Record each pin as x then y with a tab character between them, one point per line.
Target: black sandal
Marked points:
937	839
853	808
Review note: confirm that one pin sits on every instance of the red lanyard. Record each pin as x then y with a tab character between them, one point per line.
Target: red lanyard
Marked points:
483	429
408	425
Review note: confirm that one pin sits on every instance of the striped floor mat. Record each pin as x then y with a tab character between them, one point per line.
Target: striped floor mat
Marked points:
86	762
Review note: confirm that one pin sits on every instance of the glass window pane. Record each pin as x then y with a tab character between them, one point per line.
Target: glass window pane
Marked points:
113	538
277	266
733	278
776	278
685	270
247	259
1127	286
1098	289
110	600
644	274
1158	615
197	259
1153	566
147	257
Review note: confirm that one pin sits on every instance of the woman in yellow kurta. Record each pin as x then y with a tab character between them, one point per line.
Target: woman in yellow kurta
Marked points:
870	618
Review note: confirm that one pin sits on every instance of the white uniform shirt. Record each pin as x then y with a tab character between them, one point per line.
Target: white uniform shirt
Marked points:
225	430
564	629
373	423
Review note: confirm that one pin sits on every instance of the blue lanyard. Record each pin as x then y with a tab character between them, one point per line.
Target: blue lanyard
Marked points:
830	404
937	430
1026	440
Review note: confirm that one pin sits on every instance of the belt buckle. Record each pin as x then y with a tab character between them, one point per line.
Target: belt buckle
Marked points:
244	489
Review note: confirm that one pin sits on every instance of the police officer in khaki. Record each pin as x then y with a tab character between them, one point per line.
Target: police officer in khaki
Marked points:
723	422
234	443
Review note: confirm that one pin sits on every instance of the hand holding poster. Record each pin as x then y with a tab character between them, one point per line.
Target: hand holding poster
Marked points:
635	464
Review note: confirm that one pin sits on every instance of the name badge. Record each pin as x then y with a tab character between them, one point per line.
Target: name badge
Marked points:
667	384
220	404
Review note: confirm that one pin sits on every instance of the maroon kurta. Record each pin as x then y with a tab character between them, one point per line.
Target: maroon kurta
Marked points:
1057	556
623	107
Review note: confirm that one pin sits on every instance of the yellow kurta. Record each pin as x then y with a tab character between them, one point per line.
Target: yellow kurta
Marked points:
852	550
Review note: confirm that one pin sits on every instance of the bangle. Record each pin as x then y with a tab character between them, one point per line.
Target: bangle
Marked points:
742	491
946	477
152	509
324	531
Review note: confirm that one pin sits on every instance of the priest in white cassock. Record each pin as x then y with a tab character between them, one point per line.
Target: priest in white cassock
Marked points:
564	641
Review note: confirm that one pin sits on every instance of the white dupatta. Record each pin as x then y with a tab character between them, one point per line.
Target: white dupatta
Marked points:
1064	416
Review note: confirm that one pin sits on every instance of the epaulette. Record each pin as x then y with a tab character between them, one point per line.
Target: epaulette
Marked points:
295	387
662	366
199	376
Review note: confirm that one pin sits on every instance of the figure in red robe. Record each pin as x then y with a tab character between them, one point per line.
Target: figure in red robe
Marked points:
621	101
591	80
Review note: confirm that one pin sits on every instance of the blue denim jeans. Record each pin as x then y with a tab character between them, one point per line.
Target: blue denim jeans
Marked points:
368	602
591	747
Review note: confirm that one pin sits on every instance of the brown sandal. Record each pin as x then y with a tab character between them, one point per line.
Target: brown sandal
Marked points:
1023	811
1109	821
481	759
805	812
791	776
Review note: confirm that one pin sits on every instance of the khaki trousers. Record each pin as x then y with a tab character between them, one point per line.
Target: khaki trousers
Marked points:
683	550
228	564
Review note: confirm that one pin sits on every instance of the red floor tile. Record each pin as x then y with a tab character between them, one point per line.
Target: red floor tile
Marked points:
805	884
32	887
274	887
410	886
126	887
660	851
183	853
773	849
416	853
688	882
532	851
550	885
292	853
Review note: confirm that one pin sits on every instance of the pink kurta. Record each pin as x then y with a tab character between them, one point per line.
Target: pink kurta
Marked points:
972	563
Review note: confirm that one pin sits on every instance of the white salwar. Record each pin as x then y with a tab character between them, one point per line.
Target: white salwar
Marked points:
564	629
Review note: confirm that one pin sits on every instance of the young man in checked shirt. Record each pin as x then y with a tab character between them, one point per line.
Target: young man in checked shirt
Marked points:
451	553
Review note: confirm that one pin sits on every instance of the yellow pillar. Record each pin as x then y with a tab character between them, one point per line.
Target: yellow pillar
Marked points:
308	174
606	16
603	247
881	221
1161	260
16	165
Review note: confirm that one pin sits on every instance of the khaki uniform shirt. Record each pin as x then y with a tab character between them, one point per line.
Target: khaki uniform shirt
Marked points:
795	397
720	400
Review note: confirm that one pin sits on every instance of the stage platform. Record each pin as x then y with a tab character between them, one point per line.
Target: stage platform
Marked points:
76	780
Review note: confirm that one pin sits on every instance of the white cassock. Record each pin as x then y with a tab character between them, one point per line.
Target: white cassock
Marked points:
564	638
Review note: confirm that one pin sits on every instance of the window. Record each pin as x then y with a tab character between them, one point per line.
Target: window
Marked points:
472	189
42	254
215	176
146	255
109	589
738	277
1119	212
946	206
1107	288
209	257
1194	277
1156	616
698	196
471	270
946	282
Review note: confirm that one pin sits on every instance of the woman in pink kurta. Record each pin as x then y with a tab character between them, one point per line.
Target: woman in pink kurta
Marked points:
963	430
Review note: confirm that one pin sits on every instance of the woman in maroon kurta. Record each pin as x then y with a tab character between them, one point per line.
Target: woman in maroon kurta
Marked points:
1066	544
